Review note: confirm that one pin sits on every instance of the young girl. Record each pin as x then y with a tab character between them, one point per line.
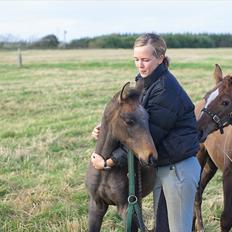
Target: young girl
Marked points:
173	127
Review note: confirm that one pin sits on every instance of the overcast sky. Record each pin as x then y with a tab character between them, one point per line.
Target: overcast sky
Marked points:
72	19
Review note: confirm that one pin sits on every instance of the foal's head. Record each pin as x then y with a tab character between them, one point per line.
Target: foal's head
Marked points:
127	121
217	112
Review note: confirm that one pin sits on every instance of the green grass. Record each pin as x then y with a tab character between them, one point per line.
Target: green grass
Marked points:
48	110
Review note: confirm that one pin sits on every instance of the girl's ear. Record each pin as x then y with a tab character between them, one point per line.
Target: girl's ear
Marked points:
161	59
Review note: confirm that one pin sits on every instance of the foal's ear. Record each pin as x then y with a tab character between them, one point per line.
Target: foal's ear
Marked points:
124	92
218	73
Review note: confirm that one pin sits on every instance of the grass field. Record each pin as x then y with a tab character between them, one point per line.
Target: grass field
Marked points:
48	110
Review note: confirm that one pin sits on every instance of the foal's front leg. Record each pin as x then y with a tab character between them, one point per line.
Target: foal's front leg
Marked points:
97	210
207	174
202	157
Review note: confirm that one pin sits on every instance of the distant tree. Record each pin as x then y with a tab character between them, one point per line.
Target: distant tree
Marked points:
48	41
79	43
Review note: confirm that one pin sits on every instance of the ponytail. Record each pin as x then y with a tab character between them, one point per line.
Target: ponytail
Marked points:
166	61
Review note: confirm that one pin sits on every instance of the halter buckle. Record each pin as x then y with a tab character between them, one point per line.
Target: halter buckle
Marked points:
216	119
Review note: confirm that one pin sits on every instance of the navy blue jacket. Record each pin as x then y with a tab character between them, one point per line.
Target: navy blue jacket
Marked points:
172	120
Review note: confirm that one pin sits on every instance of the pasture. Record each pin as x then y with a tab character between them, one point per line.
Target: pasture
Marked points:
48	109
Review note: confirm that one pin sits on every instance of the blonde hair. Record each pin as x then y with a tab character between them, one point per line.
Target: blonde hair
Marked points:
157	42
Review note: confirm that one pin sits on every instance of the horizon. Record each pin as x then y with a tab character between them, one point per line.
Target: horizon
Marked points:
13	39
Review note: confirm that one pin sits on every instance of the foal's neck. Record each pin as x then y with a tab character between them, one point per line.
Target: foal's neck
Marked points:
106	144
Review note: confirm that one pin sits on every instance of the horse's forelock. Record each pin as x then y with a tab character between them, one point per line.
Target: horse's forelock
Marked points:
132	94
226	83
113	107
228	78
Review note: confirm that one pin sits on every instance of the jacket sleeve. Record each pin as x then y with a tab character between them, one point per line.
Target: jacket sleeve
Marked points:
119	156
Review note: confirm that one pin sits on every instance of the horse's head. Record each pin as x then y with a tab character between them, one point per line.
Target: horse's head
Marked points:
127	122
217	111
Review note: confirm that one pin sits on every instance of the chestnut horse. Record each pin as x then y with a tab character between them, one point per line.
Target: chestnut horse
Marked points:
214	113
124	121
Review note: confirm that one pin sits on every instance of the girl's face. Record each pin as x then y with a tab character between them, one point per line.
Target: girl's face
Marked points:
145	61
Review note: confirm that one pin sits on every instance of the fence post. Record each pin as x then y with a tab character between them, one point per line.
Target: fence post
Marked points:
20	60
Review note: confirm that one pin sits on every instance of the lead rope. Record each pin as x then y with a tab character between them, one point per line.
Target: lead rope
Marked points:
140	186
224	151
227	156
133	204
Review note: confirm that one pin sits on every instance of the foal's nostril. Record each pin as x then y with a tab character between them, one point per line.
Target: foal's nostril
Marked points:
151	160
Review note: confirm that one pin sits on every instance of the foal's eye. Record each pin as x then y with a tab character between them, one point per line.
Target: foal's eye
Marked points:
130	122
225	103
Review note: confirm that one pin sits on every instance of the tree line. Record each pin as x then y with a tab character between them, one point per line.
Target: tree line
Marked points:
179	40
186	40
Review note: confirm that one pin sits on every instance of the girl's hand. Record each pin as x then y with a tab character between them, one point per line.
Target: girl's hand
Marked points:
96	131
97	161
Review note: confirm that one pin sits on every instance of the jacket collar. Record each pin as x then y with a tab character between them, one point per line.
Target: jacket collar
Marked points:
157	73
